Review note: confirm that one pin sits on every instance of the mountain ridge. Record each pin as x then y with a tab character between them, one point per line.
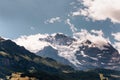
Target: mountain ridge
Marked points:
14	58
72	50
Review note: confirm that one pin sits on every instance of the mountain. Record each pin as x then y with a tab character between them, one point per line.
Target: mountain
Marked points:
50	52
80	54
92	55
14	58
58	38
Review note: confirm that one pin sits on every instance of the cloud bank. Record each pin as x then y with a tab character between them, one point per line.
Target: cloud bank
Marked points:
95	36
100	10
32	42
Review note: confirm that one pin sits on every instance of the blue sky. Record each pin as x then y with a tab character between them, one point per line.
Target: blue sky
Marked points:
18	16
26	17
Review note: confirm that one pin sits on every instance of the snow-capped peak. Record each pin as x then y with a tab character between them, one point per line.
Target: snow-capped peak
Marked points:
99	44
58	38
86	50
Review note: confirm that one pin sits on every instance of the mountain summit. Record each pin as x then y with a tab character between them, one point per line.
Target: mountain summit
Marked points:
81	53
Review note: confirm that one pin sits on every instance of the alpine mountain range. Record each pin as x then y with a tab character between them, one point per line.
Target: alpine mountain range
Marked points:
62	58
81	54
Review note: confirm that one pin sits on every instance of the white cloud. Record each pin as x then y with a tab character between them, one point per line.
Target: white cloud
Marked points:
72	27
100	10
53	20
32	42
117	42
95	36
76	13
